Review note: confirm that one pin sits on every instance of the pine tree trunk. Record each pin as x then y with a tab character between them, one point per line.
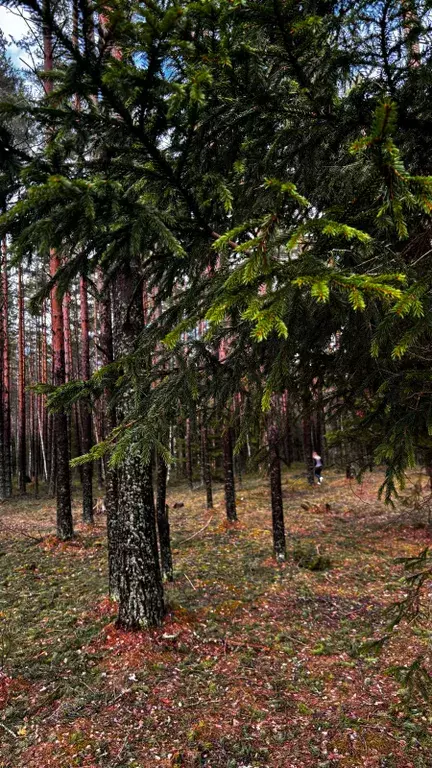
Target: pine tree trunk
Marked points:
60	480
288	436
43	418
163	521
189	466
35	442
229	485
307	442
320	426
111	482
52	485
22	445
86	419
3	447
98	413
66	302
60	426
278	525
141	602
98	418
205	460
3	494
181	464
5	384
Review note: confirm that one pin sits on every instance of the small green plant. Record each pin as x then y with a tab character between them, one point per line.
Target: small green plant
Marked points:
6	638
415	680
308	556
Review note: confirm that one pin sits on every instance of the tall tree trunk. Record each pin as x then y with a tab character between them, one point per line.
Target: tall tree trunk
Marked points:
86	419
34	463
307	441
3	447
181	445
288	430
43	425
189	466
141	602
320	427
111	484
64	507
22	446
205	460
66	303
229	485
278	525
35	429
60	425
52	484
163	521
98	413
78	375
7	440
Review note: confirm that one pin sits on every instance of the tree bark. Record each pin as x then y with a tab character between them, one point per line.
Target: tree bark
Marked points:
205	459
163	521
98	413
141	601
43	418
278	525
66	302
3	446
111	483
86	419
229	484
60	425
52	483
22	445
307	442
189	466
320	446
6	430
289	443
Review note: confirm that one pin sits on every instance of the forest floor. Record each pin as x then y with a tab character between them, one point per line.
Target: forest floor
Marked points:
257	665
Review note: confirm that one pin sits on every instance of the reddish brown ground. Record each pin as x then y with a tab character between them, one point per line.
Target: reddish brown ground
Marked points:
255	666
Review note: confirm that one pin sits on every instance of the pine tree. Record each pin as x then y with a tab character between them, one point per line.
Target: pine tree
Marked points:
22	410
141	602
229	482
111	483
163	521
60	425
5	435
278	525
86	420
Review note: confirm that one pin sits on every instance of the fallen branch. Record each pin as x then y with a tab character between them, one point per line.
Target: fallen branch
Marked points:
183	541
187	577
9	528
9	730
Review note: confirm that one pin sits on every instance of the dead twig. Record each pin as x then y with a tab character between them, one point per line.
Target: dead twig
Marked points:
187	577
183	541
9	730
9	528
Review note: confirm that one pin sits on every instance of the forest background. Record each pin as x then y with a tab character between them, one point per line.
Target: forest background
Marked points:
215	259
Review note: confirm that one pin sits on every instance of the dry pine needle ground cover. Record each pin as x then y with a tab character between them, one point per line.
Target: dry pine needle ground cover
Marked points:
255	666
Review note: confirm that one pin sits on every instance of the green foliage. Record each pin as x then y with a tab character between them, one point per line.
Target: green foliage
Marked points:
234	156
308	556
